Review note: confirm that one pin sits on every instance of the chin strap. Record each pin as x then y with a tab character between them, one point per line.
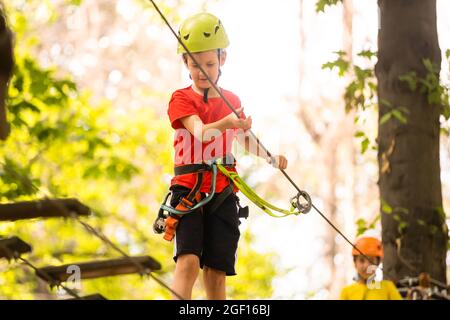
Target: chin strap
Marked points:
205	92
205	95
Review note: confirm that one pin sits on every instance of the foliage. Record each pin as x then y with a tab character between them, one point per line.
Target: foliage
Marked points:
436	92
360	93
322	4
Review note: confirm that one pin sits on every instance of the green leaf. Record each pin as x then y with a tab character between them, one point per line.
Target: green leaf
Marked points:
401	210
402	225
385	118
399	116
75	2
386	103
24	105
340	64
367	53
434	98
361	226
430	66
440	211
411	79
364	145
321	4
403	110
385	207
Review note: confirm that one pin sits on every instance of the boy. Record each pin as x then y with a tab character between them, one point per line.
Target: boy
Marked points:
204	129
365	288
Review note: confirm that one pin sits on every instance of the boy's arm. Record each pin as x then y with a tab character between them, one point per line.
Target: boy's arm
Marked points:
253	146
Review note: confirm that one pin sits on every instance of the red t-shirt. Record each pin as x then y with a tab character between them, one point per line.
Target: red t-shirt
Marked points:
188	150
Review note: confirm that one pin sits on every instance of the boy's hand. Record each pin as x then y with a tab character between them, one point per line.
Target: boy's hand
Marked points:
238	123
279	161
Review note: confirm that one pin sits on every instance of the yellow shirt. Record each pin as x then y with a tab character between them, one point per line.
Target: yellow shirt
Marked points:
384	290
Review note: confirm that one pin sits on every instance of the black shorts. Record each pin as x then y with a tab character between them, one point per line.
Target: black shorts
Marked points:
212	236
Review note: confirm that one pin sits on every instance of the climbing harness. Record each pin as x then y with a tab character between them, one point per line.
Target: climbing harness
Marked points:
194	201
167	223
301	193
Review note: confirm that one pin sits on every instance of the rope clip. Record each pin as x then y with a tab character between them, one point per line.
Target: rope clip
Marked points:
302	206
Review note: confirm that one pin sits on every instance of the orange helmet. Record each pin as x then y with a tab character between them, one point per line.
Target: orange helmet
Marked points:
370	246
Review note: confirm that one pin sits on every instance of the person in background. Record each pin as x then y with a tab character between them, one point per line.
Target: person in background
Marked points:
366	286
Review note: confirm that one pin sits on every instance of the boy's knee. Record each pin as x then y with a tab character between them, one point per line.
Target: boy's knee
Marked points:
214	274
188	263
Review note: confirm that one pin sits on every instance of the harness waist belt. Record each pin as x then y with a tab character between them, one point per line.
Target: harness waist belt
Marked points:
227	161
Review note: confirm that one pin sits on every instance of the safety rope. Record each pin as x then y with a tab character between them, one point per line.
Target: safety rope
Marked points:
302	193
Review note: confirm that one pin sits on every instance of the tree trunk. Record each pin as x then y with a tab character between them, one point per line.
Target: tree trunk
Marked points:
4	126
6	65
414	233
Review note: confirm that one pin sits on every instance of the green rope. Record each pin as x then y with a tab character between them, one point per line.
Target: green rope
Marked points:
253	197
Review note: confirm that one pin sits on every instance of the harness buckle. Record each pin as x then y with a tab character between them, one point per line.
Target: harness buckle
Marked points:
243	212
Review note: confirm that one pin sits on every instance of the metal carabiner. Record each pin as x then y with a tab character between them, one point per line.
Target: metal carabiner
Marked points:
159	226
302	206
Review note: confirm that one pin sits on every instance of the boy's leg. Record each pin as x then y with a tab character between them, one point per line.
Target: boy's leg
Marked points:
188	247
186	272
214	281
221	236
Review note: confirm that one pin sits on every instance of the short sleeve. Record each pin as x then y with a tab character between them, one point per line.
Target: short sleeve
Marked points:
180	106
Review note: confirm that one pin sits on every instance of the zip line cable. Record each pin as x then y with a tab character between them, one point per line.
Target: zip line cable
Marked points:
44	274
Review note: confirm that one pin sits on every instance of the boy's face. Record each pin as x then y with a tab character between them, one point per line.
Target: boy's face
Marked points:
209	61
362	266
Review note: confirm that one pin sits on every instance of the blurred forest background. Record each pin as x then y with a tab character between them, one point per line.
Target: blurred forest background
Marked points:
87	105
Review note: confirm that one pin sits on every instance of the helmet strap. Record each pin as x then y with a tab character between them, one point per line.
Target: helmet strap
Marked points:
205	95
205	92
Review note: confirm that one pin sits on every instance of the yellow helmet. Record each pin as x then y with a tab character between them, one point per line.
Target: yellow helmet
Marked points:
202	32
